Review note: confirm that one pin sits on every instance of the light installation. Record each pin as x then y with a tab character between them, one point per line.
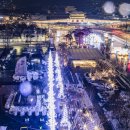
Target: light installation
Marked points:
59	77
32	99
51	94
25	88
65	120
93	39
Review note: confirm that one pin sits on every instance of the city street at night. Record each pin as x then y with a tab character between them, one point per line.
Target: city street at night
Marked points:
64	65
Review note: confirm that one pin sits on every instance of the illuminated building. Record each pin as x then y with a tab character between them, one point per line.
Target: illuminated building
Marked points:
93	40
120	56
84	57
77	15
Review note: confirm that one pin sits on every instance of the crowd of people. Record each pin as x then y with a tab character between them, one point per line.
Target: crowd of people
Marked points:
81	111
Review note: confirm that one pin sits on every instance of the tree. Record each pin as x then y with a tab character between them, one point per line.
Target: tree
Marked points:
70	9
80	35
68	39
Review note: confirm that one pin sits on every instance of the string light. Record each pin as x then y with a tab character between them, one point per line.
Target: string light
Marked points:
51	94
65	120
59	77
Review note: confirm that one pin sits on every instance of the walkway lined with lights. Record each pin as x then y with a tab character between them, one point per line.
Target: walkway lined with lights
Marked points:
84	120
55	84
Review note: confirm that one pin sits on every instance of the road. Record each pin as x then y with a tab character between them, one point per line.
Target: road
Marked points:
119	42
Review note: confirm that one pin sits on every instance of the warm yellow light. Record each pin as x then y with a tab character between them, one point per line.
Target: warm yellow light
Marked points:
113	85
88	114
85	127
96	128
84	63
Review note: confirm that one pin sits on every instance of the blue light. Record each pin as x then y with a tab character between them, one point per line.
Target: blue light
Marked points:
25	88
51	98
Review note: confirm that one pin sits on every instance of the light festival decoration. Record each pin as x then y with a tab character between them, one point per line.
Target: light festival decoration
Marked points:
25	88
58	35
31	99
64	121
93	39
59	77
109	7
37	91
51	98
124	9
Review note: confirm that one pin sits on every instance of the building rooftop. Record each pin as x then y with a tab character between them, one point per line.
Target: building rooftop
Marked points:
77	12
85	54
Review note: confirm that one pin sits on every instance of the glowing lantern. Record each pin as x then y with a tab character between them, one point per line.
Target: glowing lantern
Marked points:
25	88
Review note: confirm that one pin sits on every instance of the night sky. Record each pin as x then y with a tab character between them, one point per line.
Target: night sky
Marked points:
81	5
61	2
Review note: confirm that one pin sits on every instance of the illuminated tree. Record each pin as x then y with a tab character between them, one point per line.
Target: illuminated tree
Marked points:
64	121
59	77
51	94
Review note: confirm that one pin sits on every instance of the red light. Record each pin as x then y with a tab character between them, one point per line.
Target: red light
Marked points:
128	67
